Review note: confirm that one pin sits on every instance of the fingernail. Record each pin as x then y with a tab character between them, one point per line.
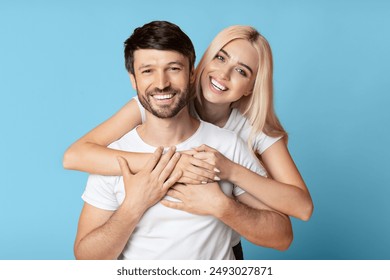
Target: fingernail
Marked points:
216	178
204	182
217	170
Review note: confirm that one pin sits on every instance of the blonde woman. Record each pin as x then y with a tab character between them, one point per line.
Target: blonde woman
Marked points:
234	90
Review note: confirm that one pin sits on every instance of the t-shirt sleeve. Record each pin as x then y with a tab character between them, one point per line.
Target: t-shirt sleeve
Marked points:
141	108
100	192
263	142
246	158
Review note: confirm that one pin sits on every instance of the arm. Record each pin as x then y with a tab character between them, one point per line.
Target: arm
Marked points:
91	154
248	216
103	234
285	192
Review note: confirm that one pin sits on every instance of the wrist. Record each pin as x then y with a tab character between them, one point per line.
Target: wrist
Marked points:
234	172
223	207
133	207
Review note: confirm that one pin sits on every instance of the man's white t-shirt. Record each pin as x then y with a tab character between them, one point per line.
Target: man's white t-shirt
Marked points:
240	125
237	123
165	233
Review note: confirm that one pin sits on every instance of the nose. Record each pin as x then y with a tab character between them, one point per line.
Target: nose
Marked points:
162	81
224	72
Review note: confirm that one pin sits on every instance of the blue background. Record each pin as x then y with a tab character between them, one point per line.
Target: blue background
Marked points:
62	73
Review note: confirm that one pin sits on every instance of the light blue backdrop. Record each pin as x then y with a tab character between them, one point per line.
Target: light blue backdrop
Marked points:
62	73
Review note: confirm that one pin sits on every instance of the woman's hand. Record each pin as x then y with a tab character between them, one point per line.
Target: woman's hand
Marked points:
195	170
216	159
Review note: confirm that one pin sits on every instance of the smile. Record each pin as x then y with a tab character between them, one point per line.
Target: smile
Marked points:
217	85
163	96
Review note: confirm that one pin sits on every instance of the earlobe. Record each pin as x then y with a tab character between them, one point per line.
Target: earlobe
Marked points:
249	92
133	81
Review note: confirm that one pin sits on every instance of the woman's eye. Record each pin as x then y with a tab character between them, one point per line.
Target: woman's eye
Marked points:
220	57
241	72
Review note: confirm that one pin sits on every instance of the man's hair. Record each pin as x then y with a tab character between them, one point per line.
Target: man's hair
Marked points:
158	35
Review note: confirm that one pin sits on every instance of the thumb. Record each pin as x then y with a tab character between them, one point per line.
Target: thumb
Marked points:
203	148
124	167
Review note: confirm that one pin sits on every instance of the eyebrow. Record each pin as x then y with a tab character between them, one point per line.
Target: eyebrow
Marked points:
240	63
176	63
169	64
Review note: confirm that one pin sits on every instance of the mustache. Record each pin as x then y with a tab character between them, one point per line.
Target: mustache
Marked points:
168	90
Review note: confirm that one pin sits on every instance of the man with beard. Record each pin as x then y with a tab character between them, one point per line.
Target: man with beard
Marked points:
122	216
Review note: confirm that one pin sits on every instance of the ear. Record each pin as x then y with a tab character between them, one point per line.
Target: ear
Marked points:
192	76
249	92
133	81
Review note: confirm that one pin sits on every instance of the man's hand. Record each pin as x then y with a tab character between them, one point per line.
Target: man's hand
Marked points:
150	185
205	199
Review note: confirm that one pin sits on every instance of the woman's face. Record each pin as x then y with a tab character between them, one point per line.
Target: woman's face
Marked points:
231	74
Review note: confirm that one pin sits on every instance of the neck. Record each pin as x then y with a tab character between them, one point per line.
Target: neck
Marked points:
217	114
168	132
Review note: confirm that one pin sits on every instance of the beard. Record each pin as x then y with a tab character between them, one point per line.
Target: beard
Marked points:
165	111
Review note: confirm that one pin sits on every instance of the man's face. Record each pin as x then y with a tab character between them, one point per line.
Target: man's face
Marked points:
162	81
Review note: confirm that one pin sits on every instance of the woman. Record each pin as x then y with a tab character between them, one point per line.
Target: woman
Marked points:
234	90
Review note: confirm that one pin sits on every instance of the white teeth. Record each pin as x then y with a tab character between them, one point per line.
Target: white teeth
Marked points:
218	85
162	97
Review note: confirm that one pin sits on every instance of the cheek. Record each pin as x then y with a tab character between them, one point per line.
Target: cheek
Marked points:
204	80
181	81
241	87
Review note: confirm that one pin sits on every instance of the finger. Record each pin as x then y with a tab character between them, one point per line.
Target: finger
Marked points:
154	159
166	172
179	188
199	174
175	194
204	148
189	152
186	180
172	180
193	178
172	204
164	160
199	159
124	167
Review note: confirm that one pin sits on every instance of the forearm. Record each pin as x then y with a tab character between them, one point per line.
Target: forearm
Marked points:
96	159
261	227
285	198
107	241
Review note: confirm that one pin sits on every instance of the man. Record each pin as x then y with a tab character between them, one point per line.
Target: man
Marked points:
122	217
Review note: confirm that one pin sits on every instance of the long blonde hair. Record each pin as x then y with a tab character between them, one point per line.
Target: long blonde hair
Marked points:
257	107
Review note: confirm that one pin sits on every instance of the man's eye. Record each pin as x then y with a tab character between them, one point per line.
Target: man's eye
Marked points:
146	71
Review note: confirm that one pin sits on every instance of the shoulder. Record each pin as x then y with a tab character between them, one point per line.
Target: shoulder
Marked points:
101	191
127	141
263	142
239	123
217	131
140	107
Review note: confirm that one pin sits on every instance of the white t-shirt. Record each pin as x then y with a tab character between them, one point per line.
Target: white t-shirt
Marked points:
237	123
240	125
165	233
